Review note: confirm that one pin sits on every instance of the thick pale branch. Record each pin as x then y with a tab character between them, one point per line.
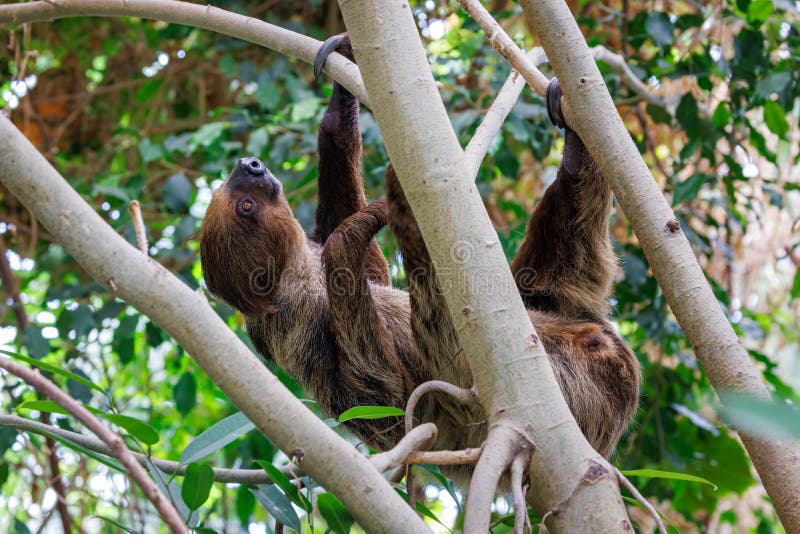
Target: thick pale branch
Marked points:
725	361
186	316
208	17
512	376
233	476
135	471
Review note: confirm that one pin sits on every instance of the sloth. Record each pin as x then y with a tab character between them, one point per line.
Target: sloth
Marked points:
322	306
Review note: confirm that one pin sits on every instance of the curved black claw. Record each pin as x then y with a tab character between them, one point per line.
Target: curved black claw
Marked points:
331	44
553	99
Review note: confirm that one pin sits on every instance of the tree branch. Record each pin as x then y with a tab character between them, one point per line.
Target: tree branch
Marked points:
207	17
725	361
496	115
232	476
512	375
135	471
187	317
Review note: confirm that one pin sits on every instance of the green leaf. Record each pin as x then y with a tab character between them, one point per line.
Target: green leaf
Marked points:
207	135
110	462
169	488
38	346
774	83
660	28
117	524
421	508
197	484
268	95
334	513
20	527
176	193
150	151
278	505
42	406
220	434
759	10
721	116
775	117
688	188
761	417
55	370
185	393
370	412
139	429
258	141
291	491
305	109
654	473
148	89
245	504
687	113
796	285
124	342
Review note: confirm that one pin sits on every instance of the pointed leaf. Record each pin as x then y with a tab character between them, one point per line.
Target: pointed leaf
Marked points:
334	513
278	505
55	370
291	491
370	412
226	431
197	484
654	473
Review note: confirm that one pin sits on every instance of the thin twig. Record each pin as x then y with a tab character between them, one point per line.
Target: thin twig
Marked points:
629	79
9	281
638	496
135	471
519	468
55	481
138	225
504	45
421	437
232	476
463	457
499	451
467	396
496	114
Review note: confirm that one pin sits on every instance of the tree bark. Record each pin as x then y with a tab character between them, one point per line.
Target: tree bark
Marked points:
187	316
512	373
723	358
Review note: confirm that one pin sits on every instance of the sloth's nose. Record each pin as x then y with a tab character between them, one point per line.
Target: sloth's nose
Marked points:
252	166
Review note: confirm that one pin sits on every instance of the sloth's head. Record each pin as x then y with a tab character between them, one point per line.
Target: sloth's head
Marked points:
249	238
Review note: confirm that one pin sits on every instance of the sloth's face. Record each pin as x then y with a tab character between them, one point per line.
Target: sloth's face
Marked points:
248	238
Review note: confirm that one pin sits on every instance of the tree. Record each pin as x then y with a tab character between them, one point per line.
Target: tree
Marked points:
645	315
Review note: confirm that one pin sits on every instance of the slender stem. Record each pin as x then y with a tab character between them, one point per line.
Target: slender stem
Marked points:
466	456
638	496
498	453
138	226
496	114
135	471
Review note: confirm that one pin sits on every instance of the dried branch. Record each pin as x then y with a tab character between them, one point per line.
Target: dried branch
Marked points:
629	79
138	226
135	471
467	396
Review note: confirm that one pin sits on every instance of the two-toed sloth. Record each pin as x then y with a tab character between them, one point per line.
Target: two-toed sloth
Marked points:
322	307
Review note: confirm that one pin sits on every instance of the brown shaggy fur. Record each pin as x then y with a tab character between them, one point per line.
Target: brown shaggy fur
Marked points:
321	306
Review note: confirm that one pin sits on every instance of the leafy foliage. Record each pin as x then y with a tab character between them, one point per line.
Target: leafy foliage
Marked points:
133	109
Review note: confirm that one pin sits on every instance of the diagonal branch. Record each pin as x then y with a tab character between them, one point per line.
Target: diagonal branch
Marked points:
207	17
34	378
186	315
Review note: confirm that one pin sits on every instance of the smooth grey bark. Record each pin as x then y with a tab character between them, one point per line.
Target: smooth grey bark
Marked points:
187	316
512	373
689	295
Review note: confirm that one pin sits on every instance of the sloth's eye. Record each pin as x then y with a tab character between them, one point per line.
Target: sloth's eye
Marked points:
246	207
